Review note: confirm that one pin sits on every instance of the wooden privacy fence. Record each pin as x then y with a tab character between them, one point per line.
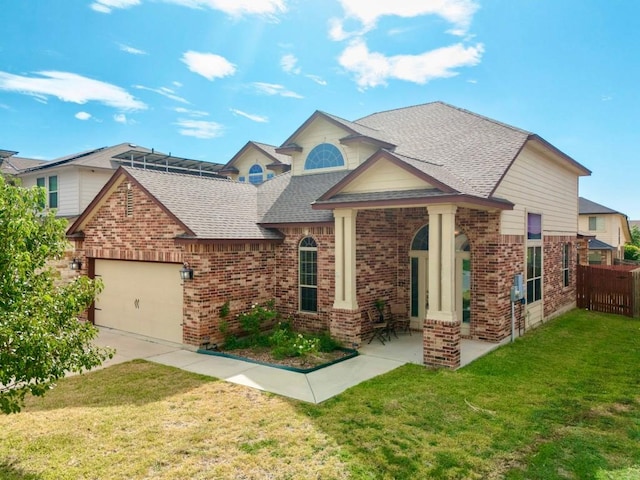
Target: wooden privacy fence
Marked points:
609	289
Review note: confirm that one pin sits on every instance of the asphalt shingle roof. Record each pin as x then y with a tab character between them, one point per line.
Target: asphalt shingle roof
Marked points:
471	148
212	208
294	204
586	206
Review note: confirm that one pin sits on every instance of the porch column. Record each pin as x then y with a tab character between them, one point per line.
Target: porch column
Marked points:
346	319
442	327
345	259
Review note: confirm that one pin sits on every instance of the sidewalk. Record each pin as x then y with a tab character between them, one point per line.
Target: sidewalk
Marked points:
314	387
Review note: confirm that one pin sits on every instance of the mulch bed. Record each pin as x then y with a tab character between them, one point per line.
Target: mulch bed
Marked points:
264	355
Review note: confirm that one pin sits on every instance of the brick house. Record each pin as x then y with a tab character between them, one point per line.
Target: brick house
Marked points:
431	207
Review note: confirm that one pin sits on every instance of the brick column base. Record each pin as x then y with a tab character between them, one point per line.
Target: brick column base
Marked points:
346	326
441	342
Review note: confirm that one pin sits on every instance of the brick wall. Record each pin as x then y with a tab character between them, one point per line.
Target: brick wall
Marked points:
286	291
557	297
147	235
241	274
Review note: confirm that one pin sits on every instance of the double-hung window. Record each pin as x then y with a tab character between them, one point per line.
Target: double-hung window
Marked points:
51	184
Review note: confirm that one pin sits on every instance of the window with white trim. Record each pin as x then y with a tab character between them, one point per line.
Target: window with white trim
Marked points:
308	274
256	174
324	155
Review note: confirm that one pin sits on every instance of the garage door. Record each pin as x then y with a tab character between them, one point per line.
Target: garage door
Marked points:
140	297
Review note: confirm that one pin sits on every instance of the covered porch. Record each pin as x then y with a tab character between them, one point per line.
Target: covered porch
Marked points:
408	349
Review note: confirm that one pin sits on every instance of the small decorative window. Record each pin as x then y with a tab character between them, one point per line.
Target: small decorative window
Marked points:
324	155
566	248
53	191
241	179
270	175
308	283
255	174
534	226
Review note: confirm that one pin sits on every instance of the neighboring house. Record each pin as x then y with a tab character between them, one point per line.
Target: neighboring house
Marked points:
634	223
431	207
256	163
10	165
74	180
609	228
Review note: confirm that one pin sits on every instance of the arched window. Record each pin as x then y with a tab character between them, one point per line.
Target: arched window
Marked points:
324	155
255	174
308	274
421	240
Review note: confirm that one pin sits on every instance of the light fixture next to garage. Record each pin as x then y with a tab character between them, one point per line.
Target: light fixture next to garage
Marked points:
186	272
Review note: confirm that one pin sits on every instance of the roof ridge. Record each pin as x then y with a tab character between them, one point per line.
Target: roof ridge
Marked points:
178	174
453	107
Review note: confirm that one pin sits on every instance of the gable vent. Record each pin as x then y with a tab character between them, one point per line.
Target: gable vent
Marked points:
128	204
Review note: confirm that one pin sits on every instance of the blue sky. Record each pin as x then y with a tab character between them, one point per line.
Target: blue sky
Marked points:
199	78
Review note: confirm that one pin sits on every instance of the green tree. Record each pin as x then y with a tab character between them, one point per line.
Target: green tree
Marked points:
41	338
635	236
632	249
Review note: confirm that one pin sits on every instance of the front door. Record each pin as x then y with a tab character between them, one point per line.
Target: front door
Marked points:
419	272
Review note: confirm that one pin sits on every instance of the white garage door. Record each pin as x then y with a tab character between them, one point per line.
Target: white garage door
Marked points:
140	297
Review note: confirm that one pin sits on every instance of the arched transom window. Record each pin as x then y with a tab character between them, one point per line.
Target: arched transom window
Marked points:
324	155
255	174
421	240
308	274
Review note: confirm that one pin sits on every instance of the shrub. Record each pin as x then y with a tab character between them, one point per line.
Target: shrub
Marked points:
328	343
253	321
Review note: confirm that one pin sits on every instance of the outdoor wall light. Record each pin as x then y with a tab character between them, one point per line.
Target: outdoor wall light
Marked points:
75	264
186	273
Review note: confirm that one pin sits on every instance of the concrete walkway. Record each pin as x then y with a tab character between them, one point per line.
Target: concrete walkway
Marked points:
313	387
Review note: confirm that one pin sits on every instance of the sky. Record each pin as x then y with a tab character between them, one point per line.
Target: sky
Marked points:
200	78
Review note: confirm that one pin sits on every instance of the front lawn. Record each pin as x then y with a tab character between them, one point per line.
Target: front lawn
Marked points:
561	403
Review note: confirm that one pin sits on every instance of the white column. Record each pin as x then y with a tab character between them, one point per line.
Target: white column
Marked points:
442	263
345	259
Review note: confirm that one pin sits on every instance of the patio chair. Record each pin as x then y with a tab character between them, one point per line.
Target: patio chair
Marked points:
399	319
379	328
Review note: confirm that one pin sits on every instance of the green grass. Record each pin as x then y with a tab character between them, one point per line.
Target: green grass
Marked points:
563	402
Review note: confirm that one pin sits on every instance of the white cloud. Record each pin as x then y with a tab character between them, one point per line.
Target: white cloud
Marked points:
199	128
83	116
120	118
237	8
191	113
372	69
209	65
70	87
457	12
274	89
288	63
250	116
131	50
105	6
319	80
176	84
164	91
